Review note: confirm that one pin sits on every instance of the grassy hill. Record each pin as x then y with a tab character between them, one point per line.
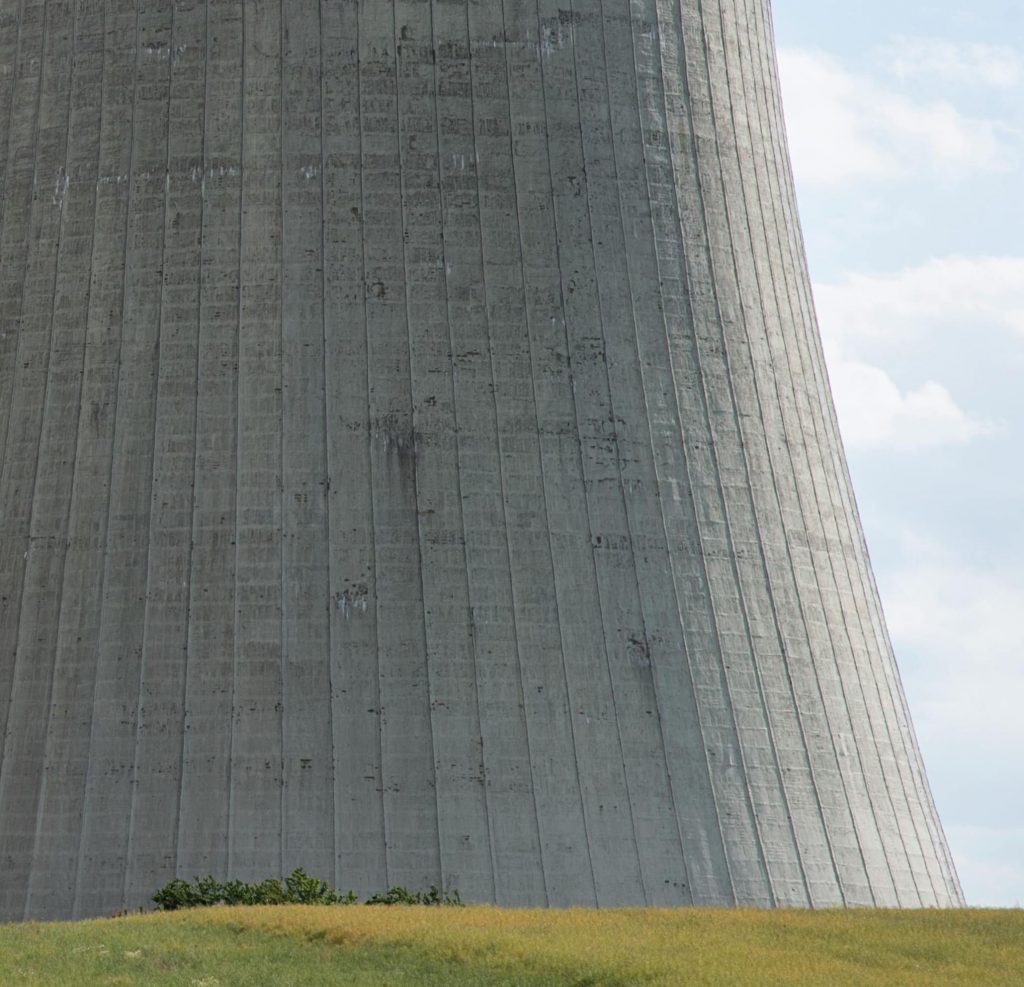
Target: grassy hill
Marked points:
361	946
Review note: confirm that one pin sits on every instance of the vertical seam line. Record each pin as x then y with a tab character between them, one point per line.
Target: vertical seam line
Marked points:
78	420
412	441
17	359
283	664
684	270
42	429
615	442
656	493
238	446
455	404
497	429
369	443
90	764
540	461
9	172
195	446
646	420
565	670
327	444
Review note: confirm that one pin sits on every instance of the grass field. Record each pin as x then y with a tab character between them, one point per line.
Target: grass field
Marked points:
359	946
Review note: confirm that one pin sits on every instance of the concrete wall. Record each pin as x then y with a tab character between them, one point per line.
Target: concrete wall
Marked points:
418	465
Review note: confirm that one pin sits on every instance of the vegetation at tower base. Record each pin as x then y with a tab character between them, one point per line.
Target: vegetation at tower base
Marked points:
299	888
359	946
417	464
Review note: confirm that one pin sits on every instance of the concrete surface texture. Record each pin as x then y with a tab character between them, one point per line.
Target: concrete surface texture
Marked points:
418	466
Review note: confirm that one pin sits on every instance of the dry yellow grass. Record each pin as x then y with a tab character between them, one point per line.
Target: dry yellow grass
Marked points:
671	947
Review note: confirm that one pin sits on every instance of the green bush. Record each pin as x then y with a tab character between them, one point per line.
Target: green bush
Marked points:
402	896
299	888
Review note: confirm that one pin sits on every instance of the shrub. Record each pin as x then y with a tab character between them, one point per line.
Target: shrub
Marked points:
402	896
299	888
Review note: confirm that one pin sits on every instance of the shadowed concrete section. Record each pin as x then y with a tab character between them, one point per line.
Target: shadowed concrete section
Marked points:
417	464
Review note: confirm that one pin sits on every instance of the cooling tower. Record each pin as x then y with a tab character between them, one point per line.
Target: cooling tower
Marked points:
419	466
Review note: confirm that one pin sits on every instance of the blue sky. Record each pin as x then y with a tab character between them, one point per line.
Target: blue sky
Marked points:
906	124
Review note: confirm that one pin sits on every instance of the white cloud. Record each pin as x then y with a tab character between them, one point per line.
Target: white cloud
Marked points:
953	293
965	64
967	620
990	861
956	626
844	125
863	316
875	413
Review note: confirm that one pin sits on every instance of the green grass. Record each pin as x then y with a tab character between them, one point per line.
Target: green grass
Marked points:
361	946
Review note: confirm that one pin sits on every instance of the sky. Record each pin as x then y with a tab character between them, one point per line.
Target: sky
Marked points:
906	126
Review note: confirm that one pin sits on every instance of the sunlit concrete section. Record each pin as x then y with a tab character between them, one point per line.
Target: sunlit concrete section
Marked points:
419	466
